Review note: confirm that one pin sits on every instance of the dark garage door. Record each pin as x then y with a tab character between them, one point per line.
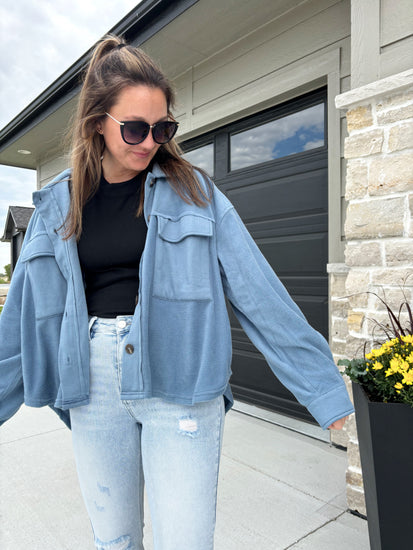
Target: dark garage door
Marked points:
273	168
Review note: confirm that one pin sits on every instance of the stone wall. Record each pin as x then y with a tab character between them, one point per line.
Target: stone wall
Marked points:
338	328
378	227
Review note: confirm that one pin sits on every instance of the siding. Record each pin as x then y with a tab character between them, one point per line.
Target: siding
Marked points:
396	19
221	86
50	169
389	48
280	43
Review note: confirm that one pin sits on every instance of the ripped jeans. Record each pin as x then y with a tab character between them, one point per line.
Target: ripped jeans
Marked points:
119	444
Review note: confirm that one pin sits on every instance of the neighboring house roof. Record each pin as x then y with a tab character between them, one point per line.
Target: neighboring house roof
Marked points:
18	218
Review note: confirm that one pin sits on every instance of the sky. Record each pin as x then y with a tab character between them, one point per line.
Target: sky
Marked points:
294	133
38	42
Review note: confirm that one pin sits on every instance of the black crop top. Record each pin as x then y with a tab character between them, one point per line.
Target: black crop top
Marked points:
110	248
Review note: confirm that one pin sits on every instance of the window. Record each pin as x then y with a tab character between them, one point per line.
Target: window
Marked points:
203	157
291	134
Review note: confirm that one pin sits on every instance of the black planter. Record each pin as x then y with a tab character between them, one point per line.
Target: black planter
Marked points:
385	433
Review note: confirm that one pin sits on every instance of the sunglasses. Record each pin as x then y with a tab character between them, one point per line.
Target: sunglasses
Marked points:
136	131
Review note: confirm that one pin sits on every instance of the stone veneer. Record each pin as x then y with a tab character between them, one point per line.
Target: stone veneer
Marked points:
378	228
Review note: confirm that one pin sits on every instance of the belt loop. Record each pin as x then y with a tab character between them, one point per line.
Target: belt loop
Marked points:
91	322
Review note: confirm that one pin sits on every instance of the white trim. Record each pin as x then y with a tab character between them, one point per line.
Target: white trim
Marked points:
307	74
365	53
364	94
335	244
337	268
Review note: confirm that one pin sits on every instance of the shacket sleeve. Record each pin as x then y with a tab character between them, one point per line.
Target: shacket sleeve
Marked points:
11	376
298	355
11	379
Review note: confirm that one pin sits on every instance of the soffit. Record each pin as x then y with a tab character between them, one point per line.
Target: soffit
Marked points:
43	138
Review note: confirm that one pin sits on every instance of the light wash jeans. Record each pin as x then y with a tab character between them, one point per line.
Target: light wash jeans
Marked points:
119	444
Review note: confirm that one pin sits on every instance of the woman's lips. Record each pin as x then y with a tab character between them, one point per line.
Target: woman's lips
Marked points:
141	155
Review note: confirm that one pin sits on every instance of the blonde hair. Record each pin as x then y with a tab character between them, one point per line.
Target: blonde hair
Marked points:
113	66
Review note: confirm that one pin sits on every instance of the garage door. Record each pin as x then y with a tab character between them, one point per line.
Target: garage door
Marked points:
273	168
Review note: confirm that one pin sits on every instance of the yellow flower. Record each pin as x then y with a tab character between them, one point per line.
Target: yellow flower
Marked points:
408	378
408	338
398	386
377	365
395	364
390	343
376	353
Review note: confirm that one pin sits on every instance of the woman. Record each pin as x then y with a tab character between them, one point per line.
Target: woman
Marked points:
116	315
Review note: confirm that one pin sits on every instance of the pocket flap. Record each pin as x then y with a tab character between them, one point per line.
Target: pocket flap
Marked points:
40	245
176	230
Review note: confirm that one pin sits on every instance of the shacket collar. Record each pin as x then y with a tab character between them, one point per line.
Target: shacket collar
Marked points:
53	203
155	174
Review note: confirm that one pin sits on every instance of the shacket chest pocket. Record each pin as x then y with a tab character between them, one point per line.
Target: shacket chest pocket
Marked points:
182	258
48	286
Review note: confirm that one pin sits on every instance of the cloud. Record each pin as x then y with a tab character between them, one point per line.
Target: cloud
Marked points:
266	142
203	157
313	144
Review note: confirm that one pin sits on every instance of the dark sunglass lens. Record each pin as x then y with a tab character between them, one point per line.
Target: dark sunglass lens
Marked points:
135	132
164	131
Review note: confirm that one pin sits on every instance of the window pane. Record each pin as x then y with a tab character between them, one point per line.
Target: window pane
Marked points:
203	157
285	136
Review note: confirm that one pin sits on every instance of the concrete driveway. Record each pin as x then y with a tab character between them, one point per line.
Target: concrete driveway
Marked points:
278	489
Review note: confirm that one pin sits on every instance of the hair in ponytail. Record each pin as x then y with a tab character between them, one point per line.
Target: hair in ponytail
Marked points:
113	66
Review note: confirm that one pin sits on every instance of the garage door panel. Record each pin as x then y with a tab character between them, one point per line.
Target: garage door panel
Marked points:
315	311
239	339
309	223
305	254
287	406
308	287
258	385
283	168
252	377
313	308
272	198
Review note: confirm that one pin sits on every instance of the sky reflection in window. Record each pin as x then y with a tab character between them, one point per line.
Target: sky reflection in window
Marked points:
203	157
295	133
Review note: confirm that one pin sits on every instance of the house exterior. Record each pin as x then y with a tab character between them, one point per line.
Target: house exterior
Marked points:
17	220
302	111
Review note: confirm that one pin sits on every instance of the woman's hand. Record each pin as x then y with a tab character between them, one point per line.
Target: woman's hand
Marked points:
338	424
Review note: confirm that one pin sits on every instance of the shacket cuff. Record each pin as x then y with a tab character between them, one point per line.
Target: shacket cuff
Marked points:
336	400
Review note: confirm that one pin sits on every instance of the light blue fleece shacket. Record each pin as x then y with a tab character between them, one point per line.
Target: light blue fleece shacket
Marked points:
179	345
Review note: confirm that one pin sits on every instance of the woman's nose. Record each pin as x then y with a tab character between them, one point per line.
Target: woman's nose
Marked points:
149	142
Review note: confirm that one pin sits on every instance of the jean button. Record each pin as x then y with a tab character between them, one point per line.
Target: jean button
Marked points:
129	349
121	324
